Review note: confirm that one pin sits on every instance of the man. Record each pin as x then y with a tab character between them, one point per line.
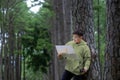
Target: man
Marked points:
77	66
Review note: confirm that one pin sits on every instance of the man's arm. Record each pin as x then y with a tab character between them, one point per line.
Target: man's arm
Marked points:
87	59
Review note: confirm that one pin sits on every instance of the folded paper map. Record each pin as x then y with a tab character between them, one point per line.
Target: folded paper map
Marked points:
65	49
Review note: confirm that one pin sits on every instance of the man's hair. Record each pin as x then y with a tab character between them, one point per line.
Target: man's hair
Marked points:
78	32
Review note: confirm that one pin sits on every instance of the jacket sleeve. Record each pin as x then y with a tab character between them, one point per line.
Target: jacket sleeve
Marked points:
87	58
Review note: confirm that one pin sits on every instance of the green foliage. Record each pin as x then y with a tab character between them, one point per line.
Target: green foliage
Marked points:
37	46
30	75
36	40
22	17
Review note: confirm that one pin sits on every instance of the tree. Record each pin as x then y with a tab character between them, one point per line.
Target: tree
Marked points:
61	33
57	36
11	46
82	11
16	22
36	41
112	54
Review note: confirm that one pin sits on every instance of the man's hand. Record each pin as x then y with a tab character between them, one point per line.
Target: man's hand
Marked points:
83	71
60	55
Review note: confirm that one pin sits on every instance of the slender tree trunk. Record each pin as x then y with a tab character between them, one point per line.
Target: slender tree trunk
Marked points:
18	57
11	45
112	55
5	21
55	39
61	33
2	41
24	75
6	70
83	20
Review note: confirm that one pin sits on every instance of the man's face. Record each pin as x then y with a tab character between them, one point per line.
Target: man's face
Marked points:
77	38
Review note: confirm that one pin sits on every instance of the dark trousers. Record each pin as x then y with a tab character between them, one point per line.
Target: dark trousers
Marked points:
68	76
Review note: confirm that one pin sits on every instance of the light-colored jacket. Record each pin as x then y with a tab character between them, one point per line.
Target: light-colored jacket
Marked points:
81	59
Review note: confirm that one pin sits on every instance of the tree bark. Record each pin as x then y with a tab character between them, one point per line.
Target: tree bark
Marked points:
67	20
112	54
61	33
82	11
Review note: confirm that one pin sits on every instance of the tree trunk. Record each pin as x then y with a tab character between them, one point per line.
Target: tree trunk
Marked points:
112	55
18	57
67	20
83	20
11	46
61	33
